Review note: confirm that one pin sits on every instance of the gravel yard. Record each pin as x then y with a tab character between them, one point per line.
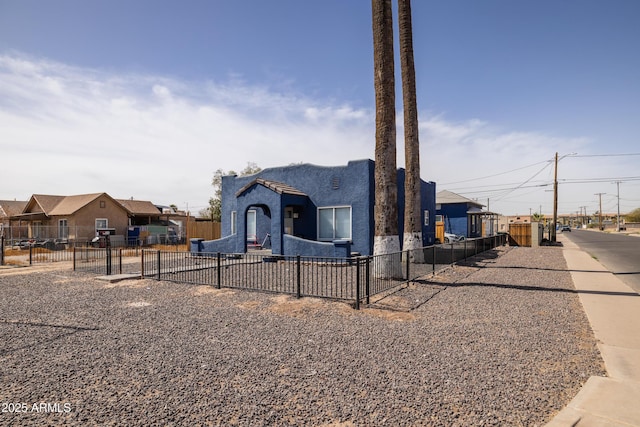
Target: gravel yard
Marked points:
502	341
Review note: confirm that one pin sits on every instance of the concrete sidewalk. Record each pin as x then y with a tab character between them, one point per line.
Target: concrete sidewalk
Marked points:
613	310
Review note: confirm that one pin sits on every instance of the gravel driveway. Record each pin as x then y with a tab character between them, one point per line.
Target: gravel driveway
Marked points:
503	341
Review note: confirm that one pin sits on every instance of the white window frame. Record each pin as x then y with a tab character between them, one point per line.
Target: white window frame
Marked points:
325	239
252	237
36	229
234	222
63	228
106	223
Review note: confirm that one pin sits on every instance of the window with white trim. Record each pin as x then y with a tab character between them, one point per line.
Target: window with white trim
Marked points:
234	220
36	229
63	229
334	223
102	223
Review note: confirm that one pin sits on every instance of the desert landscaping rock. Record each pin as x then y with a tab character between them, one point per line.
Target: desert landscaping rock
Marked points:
501	340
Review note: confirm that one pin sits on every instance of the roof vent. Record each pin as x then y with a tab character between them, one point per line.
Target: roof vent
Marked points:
335	182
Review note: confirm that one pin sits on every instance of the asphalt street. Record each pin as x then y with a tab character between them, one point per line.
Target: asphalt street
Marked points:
619	253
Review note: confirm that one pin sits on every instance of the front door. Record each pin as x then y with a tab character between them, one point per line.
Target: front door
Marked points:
252	236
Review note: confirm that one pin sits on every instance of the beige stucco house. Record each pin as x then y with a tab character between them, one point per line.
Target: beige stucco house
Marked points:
79	217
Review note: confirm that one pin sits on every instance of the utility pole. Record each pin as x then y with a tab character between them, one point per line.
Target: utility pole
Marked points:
600	211
618	220
555	201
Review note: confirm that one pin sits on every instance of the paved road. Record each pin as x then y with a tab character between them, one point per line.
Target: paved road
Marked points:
619	253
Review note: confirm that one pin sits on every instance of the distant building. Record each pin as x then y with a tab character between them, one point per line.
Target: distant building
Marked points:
463	216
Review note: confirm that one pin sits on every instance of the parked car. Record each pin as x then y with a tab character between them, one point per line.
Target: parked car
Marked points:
451	238
565	228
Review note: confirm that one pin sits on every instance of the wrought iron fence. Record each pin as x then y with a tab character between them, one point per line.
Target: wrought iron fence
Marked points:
297	275
106	261
34	253
354	279
31	253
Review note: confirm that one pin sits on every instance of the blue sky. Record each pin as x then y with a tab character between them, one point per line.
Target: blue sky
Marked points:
147	99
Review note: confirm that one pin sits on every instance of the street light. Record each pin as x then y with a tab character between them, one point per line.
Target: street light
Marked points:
618	220
555	194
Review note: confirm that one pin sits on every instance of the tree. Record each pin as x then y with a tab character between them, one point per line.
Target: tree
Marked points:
215	203
633	216
412	235
537	217
386	238
212	211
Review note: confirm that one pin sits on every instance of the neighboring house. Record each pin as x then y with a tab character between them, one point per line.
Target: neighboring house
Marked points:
71	217
8	208
141	212
79	217
462	216
308	210
150	224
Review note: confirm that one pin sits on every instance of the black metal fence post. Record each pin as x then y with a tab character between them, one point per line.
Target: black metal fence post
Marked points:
407	258
120	261
2	250
30	254
434	259
108	254
159	255
465	249
298	284
219	270
452	255
74	258
367	280
358	283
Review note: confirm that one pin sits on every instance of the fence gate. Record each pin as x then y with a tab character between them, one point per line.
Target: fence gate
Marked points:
105	261
520	234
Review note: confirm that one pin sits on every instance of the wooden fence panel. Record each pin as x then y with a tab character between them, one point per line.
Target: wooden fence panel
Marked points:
440	232
207	230
520	234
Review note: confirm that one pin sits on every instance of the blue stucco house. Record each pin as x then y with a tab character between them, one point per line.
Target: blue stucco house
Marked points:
308	210
461	216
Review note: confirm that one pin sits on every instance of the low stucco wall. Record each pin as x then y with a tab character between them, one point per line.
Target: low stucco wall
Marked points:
226	245
296	246
292	246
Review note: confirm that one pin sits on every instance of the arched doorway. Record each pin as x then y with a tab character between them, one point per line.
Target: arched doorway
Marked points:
258	227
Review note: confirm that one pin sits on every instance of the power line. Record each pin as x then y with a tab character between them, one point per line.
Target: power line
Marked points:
500	190
607	155
497	174
501	186
592	180
521	185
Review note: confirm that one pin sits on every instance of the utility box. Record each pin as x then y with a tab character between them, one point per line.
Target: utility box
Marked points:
537	233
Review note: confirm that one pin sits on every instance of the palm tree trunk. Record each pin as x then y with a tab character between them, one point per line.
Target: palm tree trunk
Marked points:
412	237
386	239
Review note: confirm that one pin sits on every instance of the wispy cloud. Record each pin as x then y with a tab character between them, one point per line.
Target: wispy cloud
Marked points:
70	130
